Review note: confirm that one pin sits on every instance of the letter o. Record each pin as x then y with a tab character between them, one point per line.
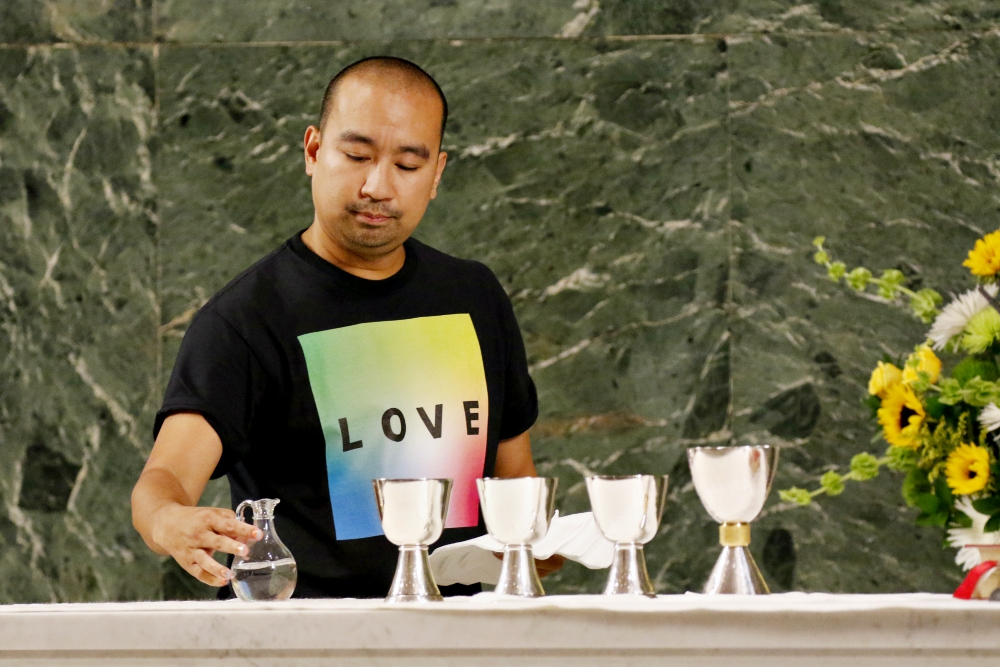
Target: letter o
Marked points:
387	424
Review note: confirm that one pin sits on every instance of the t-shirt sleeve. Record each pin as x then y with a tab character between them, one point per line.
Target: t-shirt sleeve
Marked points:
520	399
217	375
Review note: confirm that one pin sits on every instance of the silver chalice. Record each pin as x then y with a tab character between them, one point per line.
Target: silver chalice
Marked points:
413	513
733	483
518	512
628	510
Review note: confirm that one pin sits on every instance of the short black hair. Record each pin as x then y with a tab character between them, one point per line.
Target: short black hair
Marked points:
384	63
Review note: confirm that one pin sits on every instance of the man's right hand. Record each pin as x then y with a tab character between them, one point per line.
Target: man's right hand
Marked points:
192	534
165	500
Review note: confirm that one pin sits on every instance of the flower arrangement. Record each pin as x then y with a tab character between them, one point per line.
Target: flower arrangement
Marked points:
940	427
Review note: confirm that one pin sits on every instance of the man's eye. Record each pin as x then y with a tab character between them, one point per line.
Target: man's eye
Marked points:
355	158
405	168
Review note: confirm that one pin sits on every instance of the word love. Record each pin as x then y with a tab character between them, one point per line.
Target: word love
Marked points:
396	432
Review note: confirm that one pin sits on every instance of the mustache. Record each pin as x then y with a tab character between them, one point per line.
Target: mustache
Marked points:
375	209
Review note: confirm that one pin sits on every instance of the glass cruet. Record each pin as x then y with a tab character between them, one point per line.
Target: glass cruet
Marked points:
267	571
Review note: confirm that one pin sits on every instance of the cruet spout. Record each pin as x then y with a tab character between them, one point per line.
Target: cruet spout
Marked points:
263	509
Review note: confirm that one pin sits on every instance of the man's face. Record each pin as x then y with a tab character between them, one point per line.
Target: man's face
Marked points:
376	165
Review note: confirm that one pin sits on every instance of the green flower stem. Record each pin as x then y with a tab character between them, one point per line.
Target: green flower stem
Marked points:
804	497
890	286
878	281
850	475
904	290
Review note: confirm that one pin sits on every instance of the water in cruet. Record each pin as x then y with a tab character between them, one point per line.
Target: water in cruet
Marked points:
267	571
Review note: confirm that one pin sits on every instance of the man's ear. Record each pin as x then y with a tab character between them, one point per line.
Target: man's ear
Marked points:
442	161
310	145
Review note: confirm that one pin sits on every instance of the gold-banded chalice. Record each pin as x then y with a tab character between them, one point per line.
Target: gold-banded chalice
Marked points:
733	483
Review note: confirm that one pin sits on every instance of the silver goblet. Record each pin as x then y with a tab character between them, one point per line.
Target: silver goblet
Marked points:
733	483
628	510
518	512
413	513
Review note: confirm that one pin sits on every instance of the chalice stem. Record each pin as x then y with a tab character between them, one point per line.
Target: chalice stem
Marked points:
628	574
736	573
518	574
413	581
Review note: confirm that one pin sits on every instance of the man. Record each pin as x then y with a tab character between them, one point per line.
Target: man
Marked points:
350	353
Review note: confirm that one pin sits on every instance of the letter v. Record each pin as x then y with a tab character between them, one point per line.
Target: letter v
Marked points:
435	428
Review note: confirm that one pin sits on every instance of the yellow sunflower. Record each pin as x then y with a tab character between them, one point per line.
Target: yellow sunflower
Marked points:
984	258
968	469
901	416
923	359
884	377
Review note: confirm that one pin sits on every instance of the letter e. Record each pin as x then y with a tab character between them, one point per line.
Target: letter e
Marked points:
471	416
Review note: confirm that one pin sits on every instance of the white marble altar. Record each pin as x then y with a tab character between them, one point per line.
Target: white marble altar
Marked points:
790	629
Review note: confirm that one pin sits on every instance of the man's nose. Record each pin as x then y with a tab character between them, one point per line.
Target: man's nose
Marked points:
378	184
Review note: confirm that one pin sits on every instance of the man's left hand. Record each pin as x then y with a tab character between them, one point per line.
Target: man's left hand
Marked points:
552	564
545	567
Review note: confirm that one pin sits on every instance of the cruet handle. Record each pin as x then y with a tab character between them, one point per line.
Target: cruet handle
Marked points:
239	510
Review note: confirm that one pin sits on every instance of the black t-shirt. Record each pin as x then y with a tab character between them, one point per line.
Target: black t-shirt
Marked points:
318	381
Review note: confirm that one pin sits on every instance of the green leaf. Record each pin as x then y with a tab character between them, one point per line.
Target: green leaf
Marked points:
901	459
993	525
915	483
988	506
933	406
978	392
943	491
982	366
818	241
981	331
928	503
951	391
962	520
873	403
922	383
935	519
898	361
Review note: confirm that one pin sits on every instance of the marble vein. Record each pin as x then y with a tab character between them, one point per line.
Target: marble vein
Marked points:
127	425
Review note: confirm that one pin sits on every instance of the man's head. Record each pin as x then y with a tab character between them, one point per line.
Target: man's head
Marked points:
405	72
375	160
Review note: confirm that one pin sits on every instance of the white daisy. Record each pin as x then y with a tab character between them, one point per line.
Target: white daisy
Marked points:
953	318
959	537
990	417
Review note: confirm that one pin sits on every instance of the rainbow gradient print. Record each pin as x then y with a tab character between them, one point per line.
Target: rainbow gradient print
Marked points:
399	399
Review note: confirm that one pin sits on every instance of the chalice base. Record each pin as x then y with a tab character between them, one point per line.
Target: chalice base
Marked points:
413	581
518	574
628	574
735	573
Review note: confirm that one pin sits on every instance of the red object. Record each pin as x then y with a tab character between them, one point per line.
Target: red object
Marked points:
968	585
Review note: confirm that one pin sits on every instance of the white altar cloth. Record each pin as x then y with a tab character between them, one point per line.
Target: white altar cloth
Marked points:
790	629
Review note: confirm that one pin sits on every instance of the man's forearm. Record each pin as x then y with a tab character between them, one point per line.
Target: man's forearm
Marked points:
186	451
514	458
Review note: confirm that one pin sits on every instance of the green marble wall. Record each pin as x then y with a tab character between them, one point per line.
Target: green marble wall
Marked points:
645	177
